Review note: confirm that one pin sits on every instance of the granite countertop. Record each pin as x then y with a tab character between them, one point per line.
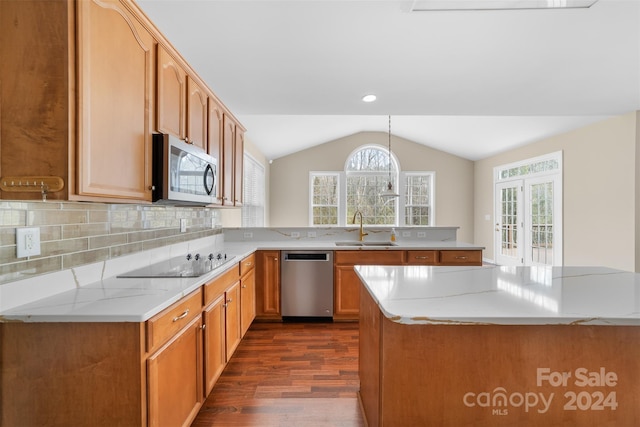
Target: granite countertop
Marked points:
504	295
115	299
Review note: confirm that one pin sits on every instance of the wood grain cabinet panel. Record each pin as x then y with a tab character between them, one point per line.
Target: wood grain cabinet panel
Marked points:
247	293
116	78
171	99
268	285
168	322
232	307
215	355
464	257
215	127
346	297
175	378
197	113
422	257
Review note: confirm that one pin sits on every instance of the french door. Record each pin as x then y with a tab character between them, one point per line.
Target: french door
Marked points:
529	221
509	223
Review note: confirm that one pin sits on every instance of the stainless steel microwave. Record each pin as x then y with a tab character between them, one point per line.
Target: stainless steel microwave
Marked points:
182	174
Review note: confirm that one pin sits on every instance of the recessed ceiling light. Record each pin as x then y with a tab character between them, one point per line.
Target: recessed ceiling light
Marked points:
369	98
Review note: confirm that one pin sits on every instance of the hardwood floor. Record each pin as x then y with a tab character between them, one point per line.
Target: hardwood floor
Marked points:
289	374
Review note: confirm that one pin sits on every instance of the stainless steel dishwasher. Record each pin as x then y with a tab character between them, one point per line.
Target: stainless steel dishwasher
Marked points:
306	283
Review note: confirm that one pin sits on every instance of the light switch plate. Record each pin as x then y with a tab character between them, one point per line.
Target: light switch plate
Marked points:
27	241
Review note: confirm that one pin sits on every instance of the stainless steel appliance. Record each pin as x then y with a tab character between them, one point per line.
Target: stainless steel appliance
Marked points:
306	284
182	173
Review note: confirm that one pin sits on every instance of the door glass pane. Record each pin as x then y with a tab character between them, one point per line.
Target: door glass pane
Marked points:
542	223
509	223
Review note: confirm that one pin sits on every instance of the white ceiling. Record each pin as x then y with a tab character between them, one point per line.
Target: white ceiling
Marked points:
472	83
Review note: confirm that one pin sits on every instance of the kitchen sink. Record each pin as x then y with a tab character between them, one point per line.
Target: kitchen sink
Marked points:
366	244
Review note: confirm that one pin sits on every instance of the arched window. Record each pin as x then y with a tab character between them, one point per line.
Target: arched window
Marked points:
335	196
368	171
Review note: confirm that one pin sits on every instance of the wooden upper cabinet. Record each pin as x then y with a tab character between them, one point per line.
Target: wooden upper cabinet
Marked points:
214	129
228	160
238	167
115	75
196	114
172	89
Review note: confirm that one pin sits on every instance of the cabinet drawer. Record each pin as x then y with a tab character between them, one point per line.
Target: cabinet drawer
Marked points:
460	257
422	257
217	286
370	257
247	264
168	322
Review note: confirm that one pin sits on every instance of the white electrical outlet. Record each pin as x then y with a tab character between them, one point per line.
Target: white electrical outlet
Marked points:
422	234
183	225
27	242
295	234
406	234
248	235
311	234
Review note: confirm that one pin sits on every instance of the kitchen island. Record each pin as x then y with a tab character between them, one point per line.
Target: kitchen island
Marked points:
499	346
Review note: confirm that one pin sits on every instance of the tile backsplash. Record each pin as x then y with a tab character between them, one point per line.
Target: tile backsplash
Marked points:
76	233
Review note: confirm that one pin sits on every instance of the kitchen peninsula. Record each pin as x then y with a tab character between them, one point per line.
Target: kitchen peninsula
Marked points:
499	346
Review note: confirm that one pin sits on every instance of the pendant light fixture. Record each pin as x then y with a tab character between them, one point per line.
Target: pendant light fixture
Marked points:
389	193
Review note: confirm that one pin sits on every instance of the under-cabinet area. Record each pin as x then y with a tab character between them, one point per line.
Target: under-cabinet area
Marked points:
151	373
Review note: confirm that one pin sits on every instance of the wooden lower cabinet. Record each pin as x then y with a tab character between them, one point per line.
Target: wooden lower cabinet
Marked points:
232	318
346	298
268	285
247	300
215	354
175	378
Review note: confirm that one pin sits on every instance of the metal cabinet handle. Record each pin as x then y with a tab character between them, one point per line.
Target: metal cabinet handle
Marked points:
182	316
422	257
229	300
203	327
244	286
461	257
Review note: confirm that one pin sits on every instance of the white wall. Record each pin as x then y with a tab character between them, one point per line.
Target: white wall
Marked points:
599	192
454	179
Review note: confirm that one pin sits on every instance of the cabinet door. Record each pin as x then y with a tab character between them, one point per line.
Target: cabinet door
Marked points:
247	300
115	82
214	129
175	378
346	301
233	318
172	91
197	113
215	356
268	285
238	168
228	160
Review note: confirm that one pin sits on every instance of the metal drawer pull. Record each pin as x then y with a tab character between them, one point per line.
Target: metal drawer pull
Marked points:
461	257
422	257
248	264
182	316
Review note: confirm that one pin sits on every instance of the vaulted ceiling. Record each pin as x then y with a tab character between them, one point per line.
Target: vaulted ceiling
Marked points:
472	83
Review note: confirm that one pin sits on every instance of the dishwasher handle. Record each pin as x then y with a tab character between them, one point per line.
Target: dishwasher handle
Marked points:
306	256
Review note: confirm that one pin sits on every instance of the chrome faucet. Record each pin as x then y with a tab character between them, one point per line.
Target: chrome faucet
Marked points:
362	233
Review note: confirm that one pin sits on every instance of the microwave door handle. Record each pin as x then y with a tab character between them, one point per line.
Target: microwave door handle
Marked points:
208	171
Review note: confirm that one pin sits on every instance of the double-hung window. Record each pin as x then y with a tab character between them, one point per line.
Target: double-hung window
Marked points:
253	207
335	197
